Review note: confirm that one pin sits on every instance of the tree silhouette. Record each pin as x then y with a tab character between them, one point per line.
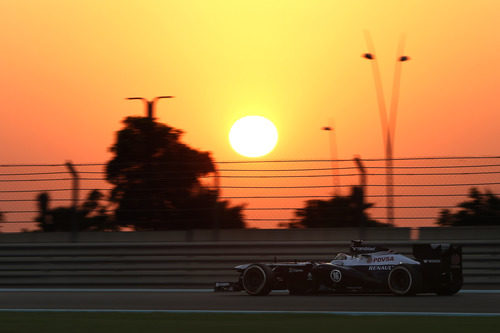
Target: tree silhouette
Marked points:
156	181
91	216
339	211
480	209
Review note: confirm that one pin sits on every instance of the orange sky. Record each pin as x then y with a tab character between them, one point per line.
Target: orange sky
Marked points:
66	67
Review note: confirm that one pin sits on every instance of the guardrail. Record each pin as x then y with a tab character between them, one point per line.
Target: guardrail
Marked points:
189	264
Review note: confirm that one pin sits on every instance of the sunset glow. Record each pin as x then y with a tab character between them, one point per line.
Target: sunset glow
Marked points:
67	67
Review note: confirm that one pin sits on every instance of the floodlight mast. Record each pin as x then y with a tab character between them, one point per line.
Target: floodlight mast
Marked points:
150	104
333	156
388	125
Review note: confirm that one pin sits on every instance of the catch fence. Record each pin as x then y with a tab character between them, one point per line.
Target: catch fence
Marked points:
273	191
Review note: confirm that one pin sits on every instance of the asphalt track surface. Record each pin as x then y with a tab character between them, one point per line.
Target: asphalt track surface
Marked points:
472	302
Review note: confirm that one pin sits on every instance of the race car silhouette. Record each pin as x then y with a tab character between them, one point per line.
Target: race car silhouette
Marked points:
434	268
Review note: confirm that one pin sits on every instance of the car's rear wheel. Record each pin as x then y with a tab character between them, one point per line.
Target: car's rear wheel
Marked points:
257	279
404	280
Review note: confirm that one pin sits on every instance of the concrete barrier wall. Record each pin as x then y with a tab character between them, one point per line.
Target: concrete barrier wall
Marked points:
459	233
209	235
334	234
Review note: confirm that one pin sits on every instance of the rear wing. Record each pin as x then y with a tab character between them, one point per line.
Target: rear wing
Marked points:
441	266
444	253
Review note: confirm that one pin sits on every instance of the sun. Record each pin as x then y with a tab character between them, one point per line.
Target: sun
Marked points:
253	136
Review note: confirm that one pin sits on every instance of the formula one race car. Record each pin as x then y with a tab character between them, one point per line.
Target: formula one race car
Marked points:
435	268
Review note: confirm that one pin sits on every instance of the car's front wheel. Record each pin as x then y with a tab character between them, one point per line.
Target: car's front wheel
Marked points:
257	279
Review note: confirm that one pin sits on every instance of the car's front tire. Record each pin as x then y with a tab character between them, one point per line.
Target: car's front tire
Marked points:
404	280
257	279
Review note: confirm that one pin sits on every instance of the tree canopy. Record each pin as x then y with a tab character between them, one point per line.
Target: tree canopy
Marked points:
339	211
90	216
479	209
157	184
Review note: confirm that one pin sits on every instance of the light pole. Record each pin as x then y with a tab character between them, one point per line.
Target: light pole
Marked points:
388	125
149	104
75	195
360	197
333	157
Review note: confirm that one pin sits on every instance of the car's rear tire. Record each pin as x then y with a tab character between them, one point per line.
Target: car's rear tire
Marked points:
257	279
404	280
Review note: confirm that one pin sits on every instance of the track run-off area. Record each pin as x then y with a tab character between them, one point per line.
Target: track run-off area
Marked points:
465	303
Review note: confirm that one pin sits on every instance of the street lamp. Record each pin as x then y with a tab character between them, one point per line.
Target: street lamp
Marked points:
333	157
149	104
388	125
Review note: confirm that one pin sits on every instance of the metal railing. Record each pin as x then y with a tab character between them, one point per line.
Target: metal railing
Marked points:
189	264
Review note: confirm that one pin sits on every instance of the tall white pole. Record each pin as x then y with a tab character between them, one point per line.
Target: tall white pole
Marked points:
388	123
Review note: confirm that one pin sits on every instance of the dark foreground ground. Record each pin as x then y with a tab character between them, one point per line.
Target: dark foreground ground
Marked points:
464	302
42	322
